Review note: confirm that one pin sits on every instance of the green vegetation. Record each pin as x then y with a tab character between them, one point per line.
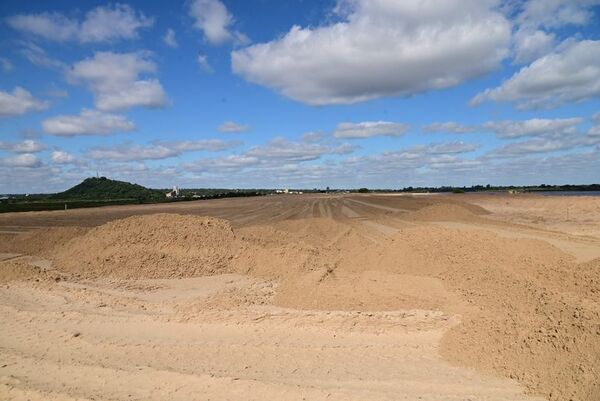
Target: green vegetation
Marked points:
492	188
94	192
363	190
105	189
20	205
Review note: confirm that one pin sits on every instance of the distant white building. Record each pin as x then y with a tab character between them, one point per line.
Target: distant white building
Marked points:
174	193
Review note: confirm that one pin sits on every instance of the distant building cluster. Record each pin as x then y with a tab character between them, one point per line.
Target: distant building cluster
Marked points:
287	191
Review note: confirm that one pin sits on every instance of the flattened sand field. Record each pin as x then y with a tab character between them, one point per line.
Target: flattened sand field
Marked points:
311	297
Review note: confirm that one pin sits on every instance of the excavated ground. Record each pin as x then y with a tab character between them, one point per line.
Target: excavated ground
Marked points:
374	297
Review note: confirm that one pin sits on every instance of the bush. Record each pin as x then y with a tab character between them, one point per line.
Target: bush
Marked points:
363	190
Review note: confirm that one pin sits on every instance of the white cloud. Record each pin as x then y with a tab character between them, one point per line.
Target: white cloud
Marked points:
159	150
549	135
5	64
114	78
208	145
344	149
368	129
20	101
530	45
232	127
450	148
412	166
421	152
410	161
452	163
534	127
26	160
202	61
312	137
38	56
552	14
287	151
536	145
381	48
449	127
212	18
170	39
26	146
224	164
62	157
286	162
278	158
103	23
88	122
117	22
513	129
570	75
536	18
51	26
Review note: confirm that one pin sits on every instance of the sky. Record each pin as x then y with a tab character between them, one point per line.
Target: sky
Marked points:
299	93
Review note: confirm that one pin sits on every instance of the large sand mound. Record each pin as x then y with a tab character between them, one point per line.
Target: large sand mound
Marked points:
529	311
154	246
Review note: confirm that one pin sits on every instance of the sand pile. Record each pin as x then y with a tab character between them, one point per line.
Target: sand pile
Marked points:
40	242
529	311
527	314
153	246
447	212
325	264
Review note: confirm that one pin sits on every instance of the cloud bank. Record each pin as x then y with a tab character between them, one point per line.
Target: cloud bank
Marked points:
381	48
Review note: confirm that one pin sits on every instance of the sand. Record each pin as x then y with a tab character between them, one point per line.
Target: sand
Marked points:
371	297
155	246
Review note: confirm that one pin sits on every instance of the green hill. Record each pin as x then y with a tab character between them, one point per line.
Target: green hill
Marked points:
104	188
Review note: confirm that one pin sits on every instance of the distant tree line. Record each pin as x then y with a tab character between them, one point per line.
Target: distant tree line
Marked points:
496	188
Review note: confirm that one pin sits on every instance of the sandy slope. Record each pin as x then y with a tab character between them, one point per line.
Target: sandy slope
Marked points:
302	297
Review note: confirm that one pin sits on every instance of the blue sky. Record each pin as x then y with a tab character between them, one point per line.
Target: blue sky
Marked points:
348	93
